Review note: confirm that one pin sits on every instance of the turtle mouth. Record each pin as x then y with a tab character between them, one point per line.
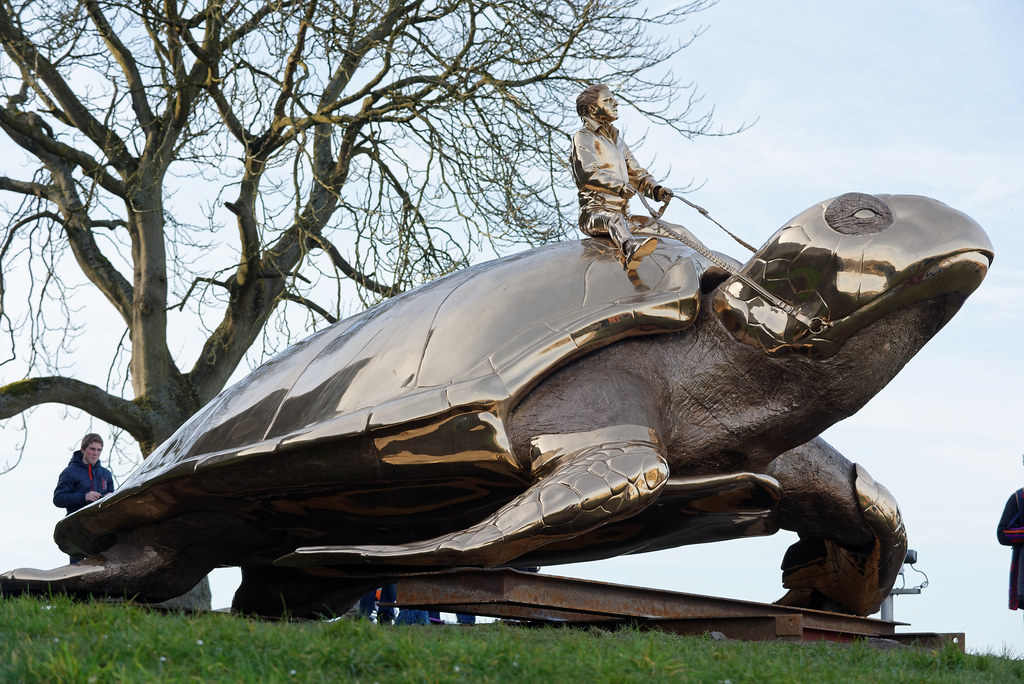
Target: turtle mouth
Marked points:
954	276
949	275
969	261
949	279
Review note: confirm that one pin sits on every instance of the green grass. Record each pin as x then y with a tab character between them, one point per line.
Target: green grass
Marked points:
63	641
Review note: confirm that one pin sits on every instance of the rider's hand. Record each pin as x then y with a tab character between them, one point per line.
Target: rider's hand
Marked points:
662	194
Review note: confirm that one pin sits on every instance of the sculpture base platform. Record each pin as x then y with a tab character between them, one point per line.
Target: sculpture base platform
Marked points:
541	599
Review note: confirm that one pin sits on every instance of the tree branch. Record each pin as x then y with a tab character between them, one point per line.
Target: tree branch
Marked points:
24	188
20	396
351	272
312	306
136	86
396	136
37	140
32	63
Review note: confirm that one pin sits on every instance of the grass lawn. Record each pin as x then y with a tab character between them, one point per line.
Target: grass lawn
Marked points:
58	640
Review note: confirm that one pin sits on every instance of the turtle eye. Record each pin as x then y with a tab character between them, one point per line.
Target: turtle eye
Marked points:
856	213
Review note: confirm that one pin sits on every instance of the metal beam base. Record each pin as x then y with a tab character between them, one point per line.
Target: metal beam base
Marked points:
536	599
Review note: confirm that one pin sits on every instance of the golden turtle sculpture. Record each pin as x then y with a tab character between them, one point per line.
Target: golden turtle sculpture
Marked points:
550	407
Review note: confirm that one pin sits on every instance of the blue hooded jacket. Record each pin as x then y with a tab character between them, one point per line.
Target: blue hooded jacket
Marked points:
78	479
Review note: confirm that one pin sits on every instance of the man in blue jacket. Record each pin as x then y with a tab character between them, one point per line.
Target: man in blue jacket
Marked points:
84	480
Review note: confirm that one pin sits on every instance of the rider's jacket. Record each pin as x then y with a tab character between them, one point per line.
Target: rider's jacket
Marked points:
602	166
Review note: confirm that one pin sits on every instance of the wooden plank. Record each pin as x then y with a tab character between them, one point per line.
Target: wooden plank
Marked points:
549	599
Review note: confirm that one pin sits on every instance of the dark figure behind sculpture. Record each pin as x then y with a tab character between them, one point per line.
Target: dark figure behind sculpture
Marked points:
1010	532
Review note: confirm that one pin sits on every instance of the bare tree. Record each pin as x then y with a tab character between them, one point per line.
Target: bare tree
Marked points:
361	147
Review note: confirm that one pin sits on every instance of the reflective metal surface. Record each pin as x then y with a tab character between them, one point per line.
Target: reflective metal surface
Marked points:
417	387
550	407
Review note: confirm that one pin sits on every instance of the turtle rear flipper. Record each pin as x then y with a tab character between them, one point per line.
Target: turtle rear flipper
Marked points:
32	581
152	563
823	574
123	571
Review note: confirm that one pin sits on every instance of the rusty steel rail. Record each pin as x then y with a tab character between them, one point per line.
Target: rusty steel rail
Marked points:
531	598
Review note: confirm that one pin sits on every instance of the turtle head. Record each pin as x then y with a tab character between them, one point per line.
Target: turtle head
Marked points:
847	262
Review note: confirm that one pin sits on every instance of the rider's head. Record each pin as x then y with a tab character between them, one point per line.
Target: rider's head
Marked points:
597	102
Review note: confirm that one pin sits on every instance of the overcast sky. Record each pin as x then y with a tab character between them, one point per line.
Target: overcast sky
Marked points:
899	96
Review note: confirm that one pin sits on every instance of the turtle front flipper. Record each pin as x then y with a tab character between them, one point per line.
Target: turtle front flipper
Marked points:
578	490
689	510
823	574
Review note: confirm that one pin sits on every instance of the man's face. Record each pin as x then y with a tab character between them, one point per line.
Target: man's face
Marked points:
91	453
606	108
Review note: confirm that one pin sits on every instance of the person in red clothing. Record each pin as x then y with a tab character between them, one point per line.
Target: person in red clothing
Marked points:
1011	533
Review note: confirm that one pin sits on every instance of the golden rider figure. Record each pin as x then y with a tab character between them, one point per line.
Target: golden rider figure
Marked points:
607	176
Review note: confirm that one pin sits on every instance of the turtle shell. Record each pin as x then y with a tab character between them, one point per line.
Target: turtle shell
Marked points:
426	376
